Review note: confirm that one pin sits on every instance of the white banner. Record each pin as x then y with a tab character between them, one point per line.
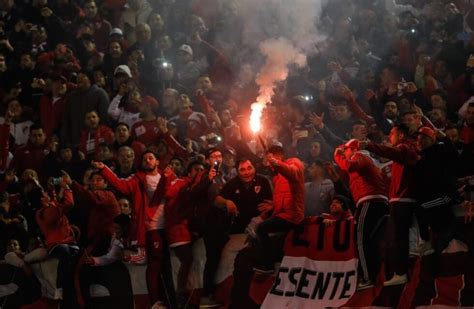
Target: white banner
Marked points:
305	283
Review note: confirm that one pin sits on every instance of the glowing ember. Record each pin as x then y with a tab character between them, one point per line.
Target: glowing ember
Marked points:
257	109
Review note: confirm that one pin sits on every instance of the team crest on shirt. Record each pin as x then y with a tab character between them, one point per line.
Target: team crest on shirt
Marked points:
237	191
156	244
257	189
140	130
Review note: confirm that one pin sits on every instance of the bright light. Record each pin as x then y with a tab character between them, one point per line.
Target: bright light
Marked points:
255	124
165	64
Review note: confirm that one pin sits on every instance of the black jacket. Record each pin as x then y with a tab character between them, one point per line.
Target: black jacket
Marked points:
435	172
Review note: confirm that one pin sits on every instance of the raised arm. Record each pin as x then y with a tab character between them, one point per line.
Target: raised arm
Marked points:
114	111
82	194
126	186
402	153
355	163
292	169
170	141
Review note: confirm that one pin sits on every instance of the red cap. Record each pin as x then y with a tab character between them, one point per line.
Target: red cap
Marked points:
427	132
150	101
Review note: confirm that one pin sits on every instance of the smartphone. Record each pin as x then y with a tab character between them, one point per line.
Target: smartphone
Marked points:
304	133
216	166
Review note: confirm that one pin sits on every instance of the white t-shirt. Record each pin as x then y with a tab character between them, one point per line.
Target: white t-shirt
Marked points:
20	131
157	222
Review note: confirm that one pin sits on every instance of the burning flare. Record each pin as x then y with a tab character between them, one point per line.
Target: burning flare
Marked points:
279	55
255	116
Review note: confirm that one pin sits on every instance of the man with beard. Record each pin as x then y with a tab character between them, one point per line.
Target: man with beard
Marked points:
147	187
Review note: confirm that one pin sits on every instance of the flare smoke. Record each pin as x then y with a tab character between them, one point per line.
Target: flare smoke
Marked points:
287	33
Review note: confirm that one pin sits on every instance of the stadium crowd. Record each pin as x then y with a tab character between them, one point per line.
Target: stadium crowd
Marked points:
125	138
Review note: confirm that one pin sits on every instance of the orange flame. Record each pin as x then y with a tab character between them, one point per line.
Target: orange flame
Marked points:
255	116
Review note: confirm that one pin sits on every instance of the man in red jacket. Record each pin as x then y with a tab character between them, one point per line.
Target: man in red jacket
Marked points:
288	204
100	205
178	234
58	233
93	135
52	106
368	190
31	155
402	198
148	187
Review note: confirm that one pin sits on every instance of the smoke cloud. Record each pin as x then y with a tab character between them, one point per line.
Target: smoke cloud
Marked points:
279	54
278	34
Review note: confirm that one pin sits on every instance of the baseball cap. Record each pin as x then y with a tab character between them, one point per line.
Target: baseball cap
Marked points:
210	151
230	150
150	101
116	31
276	147
186	48
124	69
427	132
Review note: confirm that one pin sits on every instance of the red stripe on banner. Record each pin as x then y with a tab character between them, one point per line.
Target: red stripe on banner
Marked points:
406	299
260	286
448	290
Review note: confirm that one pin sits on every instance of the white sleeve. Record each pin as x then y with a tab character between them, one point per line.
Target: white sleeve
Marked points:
36	255
114	111
113	255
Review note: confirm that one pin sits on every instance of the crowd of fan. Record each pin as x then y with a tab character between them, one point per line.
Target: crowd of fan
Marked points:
149	92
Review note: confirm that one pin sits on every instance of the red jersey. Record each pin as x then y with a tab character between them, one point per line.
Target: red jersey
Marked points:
53	222
90	140
365	179
176	223
288	193
146	132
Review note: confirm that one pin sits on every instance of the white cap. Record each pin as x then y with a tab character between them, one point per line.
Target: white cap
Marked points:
186	48
116	31
124	69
